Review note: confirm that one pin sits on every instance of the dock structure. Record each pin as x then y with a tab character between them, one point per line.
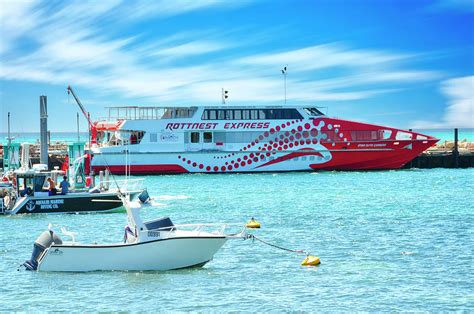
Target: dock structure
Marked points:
56	153
43	130
449	154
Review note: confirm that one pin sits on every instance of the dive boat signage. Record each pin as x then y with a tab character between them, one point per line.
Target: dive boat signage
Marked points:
74	202
233	139
48	204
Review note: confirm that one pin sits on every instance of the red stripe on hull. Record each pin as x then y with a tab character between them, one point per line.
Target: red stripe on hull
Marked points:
373	160
143	169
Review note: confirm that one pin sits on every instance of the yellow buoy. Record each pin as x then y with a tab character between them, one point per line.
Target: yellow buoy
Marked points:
311	261
253	224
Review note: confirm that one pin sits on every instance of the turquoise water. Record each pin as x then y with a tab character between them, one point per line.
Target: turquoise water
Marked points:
33	137
388	240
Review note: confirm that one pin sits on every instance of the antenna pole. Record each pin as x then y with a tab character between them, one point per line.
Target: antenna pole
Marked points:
9	137
225	95
89	118
284	72
77	120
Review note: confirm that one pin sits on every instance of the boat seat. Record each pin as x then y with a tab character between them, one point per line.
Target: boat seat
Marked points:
164	224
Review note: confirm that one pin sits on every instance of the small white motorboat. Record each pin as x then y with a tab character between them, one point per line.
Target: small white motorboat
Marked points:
149	245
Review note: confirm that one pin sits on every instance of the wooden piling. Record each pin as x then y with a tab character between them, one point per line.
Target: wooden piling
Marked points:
410	164
456	149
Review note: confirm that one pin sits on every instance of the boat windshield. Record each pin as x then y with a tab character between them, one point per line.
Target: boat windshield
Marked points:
314	112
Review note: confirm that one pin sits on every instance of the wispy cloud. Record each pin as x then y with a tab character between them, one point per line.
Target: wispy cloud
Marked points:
190	49
71	46
459	112
323	56
11	13
163	8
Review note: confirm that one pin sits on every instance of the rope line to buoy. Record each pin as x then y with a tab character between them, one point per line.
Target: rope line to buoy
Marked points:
277	246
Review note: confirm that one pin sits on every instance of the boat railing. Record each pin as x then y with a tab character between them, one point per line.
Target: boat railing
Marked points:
215	228
123	185
147	113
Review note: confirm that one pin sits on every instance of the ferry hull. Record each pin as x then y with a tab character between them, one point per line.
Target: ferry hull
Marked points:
304	159
295	145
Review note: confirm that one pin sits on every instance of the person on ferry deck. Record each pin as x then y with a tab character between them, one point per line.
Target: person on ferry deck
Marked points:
52	187
133	139
64	186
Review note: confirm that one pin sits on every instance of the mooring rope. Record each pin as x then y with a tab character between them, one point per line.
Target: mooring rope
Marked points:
277	246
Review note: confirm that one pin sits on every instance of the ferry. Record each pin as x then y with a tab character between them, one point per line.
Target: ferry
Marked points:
218	139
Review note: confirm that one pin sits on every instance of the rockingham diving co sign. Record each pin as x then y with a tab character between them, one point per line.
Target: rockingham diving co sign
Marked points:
44	204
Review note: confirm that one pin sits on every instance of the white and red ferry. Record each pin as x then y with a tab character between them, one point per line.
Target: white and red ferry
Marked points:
151	140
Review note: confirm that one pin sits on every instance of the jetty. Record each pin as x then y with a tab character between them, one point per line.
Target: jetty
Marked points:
449	154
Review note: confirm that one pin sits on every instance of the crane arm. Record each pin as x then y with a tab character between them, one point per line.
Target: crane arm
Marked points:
84	112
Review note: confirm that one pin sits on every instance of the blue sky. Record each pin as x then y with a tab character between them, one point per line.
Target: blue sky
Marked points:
404	63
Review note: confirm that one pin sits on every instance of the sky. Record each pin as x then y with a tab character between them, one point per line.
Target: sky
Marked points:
407	64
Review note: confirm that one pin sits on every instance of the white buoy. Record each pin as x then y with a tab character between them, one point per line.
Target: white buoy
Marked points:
107	182
101	179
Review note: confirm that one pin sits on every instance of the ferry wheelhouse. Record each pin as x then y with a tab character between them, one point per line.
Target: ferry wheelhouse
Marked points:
151	140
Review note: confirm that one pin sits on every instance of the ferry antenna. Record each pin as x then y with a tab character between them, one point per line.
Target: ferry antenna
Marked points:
225	95
284	71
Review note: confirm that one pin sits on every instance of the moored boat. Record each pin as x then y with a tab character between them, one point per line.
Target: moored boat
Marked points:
149	245
29	194
245	139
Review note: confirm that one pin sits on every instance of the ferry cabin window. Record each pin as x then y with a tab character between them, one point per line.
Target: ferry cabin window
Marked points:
237	114
136	137
194	137
313	112
171	113
220	137
220	114
207	136
251	114
212	115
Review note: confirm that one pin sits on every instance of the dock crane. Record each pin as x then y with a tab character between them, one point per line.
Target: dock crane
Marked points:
92	131
92	127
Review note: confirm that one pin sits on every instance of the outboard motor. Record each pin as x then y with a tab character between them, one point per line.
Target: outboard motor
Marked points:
144	197
44	241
